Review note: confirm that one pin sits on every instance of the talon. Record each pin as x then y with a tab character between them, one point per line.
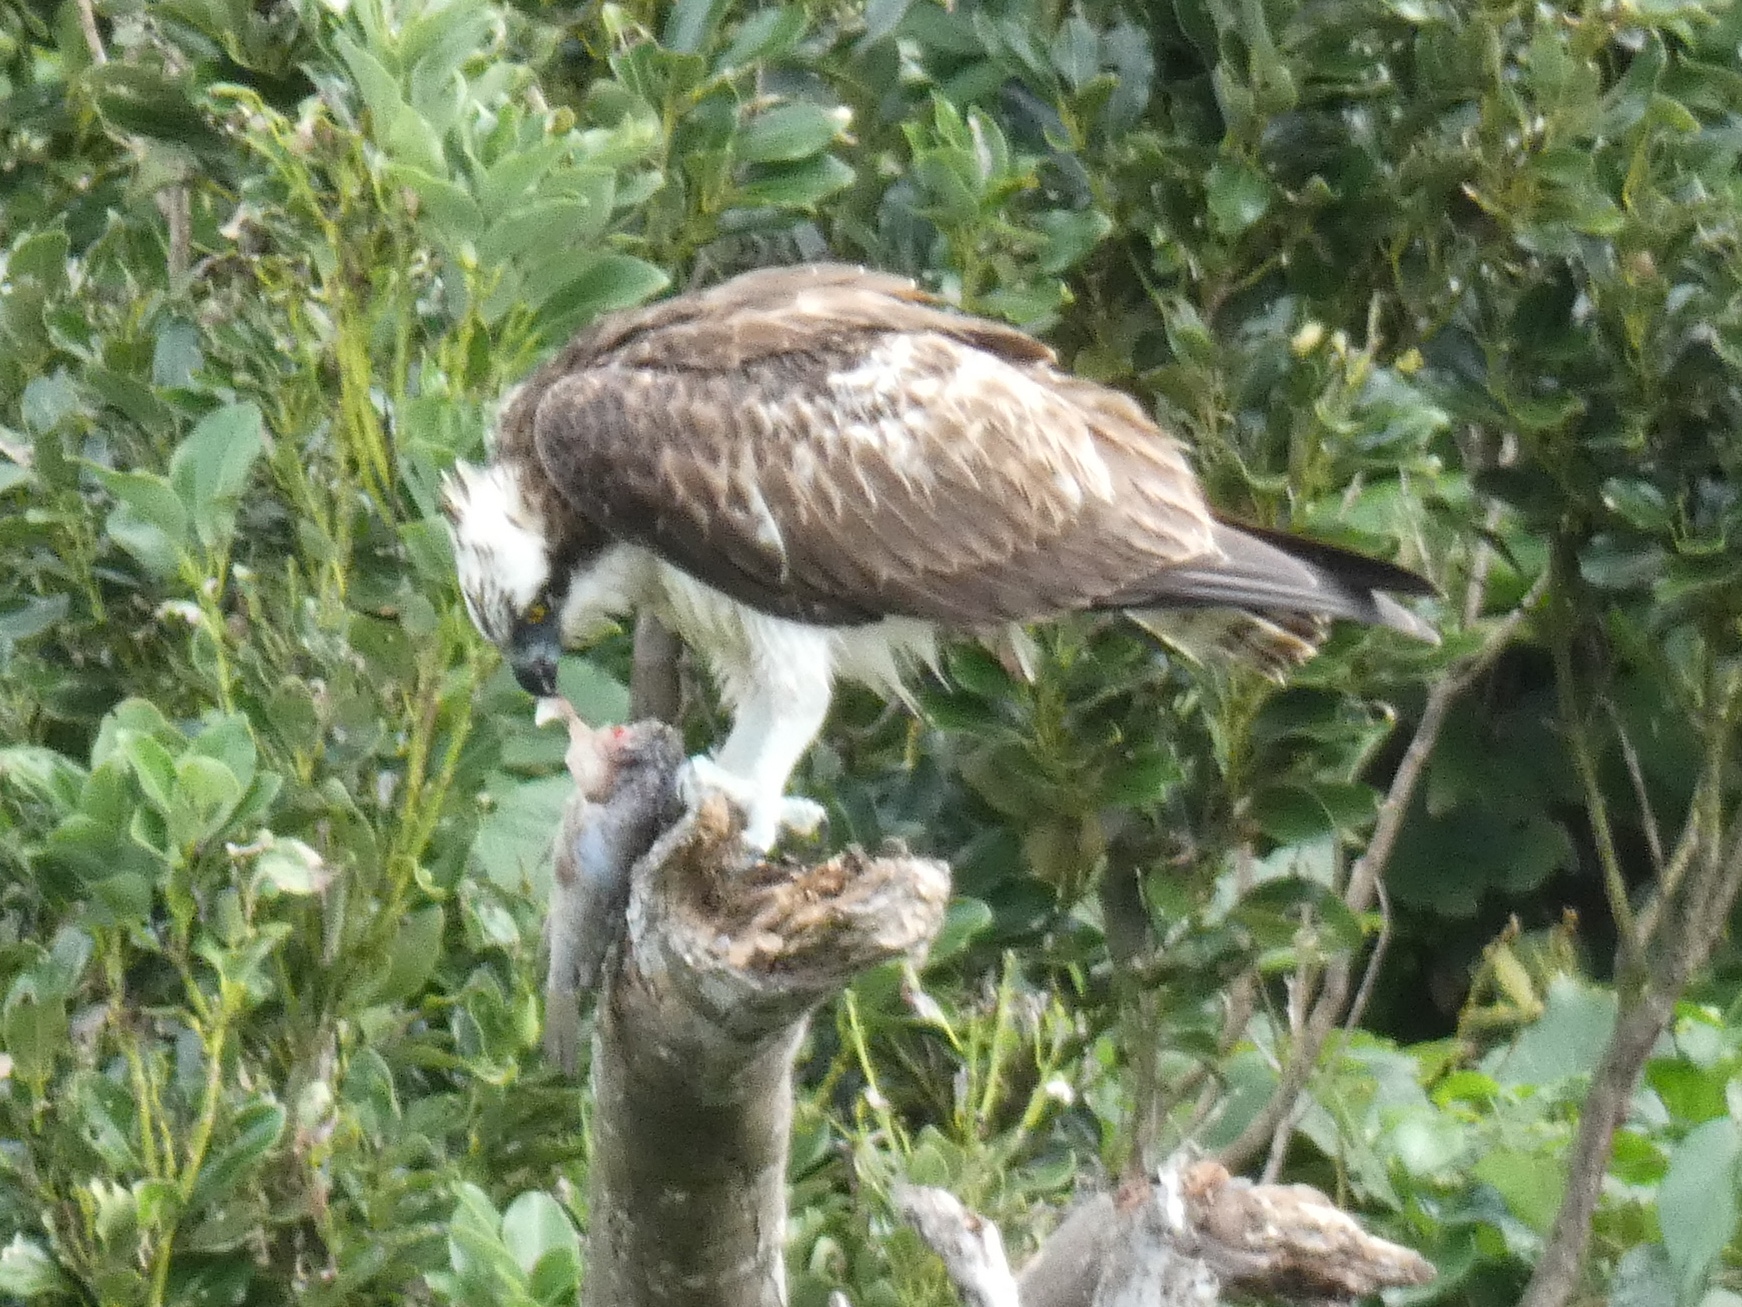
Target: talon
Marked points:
766	816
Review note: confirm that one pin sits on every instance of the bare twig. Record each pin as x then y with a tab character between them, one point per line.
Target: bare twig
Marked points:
173	201
1365	875
1647	815
1375	959
176	205
1299	996
93	37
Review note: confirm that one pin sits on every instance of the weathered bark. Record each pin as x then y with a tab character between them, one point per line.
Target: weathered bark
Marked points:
1177	1241
709	977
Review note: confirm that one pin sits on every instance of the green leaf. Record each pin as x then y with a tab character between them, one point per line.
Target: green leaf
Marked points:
788	133
256	1129
49	399
450	207
967	714
27	1271
150	522
766	34
611	282
230	741
211	469
412	959
1565	1041
974	668
534	1225
692	24
1076	51
288	866
380	88
207	792
513	841
544	222
1351	804
1297	915
34	616
108	1120
33	1026
1238	196
1291	814
1531	1181
796	185
40	256
964	920
138	100
1140	779
46	775
176	356
1696	1203
1639	503
1070	235
152	766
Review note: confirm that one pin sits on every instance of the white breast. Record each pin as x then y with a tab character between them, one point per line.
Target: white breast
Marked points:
750	650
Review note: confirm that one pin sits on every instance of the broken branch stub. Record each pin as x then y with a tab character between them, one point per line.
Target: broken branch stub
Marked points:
1176	1240
722	960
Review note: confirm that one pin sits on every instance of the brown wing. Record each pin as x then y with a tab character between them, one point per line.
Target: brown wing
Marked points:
830	446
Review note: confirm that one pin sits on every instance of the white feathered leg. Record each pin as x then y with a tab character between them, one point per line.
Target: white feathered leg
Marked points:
780	697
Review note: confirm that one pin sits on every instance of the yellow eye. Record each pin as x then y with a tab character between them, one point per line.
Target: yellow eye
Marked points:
537	611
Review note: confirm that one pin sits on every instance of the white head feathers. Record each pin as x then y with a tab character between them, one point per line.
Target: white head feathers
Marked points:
500	550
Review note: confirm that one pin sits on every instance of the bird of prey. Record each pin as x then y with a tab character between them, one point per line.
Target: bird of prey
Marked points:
810	472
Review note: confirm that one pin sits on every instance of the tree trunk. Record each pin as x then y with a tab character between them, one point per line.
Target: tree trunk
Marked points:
704	1001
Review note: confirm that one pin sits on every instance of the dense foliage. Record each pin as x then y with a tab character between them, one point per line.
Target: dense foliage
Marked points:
1457	283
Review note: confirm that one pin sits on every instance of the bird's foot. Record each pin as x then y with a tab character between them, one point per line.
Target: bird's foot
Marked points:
766	816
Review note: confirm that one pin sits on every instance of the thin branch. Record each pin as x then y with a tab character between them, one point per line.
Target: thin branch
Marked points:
1637	1028
1364	877
93	37
1697	893
1297	1069
1300	990
655	689
1375	960
1578	737
175	203
1647	815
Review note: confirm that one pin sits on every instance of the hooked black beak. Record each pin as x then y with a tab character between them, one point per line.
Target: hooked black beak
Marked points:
533	654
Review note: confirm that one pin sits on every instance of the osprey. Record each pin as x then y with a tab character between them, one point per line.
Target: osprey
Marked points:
809	472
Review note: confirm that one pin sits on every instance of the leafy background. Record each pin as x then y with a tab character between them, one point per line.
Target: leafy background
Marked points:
1454	283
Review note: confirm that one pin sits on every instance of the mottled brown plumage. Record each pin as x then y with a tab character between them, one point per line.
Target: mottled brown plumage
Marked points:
833	446
808	472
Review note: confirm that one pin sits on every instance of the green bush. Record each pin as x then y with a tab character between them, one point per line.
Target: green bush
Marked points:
1459	285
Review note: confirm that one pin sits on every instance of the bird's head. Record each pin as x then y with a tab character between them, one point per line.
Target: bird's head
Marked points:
503	553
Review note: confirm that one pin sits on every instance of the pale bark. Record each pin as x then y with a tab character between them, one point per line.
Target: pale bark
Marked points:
1180	1239
708	979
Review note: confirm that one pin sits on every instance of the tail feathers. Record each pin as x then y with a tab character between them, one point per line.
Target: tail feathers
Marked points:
1279	589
